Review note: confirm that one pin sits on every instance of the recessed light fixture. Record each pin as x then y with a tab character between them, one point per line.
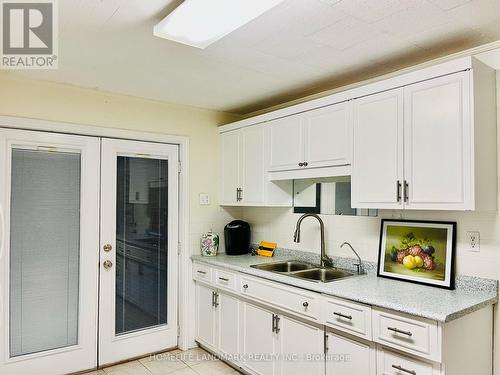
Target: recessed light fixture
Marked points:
199	23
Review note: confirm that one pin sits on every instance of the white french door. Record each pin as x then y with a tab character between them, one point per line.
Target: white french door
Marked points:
88	251
49	210
138	252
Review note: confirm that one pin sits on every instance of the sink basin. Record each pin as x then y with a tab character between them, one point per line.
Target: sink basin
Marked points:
323	274
304	271
284	267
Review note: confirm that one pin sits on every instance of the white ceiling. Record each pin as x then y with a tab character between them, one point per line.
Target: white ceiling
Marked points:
298	48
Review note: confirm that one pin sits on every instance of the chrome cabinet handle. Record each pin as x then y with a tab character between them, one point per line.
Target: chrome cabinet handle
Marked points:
215	299
398	191
223	279
397	367
396	330
343	316
276	320
305	304
107	247
107	264
406	190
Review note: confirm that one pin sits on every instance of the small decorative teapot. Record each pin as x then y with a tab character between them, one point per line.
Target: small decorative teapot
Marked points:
209	244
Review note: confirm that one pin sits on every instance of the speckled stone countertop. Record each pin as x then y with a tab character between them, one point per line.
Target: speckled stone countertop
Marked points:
443	305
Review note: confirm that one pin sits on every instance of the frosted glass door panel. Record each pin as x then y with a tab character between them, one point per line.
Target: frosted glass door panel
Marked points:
141	243
45	248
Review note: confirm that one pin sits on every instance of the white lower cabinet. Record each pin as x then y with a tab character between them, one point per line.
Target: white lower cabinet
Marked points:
217	320
348	356
228	319
392	363
205	315
259	342
301	347
277	344
267	328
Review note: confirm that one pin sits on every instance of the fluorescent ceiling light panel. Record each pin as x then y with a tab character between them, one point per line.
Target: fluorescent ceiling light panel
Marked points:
199	23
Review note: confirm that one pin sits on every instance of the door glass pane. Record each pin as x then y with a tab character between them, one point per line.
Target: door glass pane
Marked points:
44	250
141	243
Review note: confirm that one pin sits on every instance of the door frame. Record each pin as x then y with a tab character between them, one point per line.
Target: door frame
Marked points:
186	285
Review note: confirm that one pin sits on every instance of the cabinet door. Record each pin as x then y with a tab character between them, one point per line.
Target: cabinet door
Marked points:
228	324
230	165
205	315
259	342
301	348
286	142
252	164
438	143
347	356
328	136
378	151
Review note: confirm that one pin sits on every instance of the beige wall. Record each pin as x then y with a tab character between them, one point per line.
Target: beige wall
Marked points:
58	102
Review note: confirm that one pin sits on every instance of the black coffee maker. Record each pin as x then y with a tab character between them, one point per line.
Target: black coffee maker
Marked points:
237	237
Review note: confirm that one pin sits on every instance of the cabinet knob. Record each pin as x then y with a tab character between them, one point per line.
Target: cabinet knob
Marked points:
245	286
107	264
305	304
305	164
301	164
107	247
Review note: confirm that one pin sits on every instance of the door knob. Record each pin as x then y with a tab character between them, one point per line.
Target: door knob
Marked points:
107	264
107	247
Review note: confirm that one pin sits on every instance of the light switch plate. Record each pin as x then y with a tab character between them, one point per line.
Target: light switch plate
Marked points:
473	239
204	199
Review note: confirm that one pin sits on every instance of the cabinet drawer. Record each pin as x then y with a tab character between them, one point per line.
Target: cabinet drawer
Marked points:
202	272
392	363
414	335
295	300
350	317
225	280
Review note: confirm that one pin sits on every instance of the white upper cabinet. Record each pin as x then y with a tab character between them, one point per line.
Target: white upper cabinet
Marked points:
318	138
425	140
428	145
377	174
230	168
252	164
243	164
438	147
286	143
328	136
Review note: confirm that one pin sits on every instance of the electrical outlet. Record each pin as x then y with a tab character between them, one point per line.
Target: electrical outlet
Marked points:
474	241
204	199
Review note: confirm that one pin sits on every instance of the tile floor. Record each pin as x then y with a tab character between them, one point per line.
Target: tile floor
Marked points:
191	362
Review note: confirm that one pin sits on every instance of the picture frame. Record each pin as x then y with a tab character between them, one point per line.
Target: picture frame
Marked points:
418	251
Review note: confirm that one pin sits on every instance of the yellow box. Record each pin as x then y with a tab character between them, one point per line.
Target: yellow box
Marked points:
266	249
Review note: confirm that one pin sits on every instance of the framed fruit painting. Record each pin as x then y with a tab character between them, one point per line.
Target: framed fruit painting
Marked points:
418	251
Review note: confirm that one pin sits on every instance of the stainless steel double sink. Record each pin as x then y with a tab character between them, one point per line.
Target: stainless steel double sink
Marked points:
306	271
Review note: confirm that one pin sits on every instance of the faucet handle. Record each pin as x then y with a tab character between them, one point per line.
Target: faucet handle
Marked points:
358	267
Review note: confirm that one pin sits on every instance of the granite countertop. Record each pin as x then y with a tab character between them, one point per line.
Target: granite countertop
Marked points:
443	305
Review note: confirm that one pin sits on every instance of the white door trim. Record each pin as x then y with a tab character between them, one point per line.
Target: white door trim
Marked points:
186	283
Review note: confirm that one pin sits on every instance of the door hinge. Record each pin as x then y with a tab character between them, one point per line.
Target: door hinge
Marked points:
178	331
179	248
326	344
180	166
